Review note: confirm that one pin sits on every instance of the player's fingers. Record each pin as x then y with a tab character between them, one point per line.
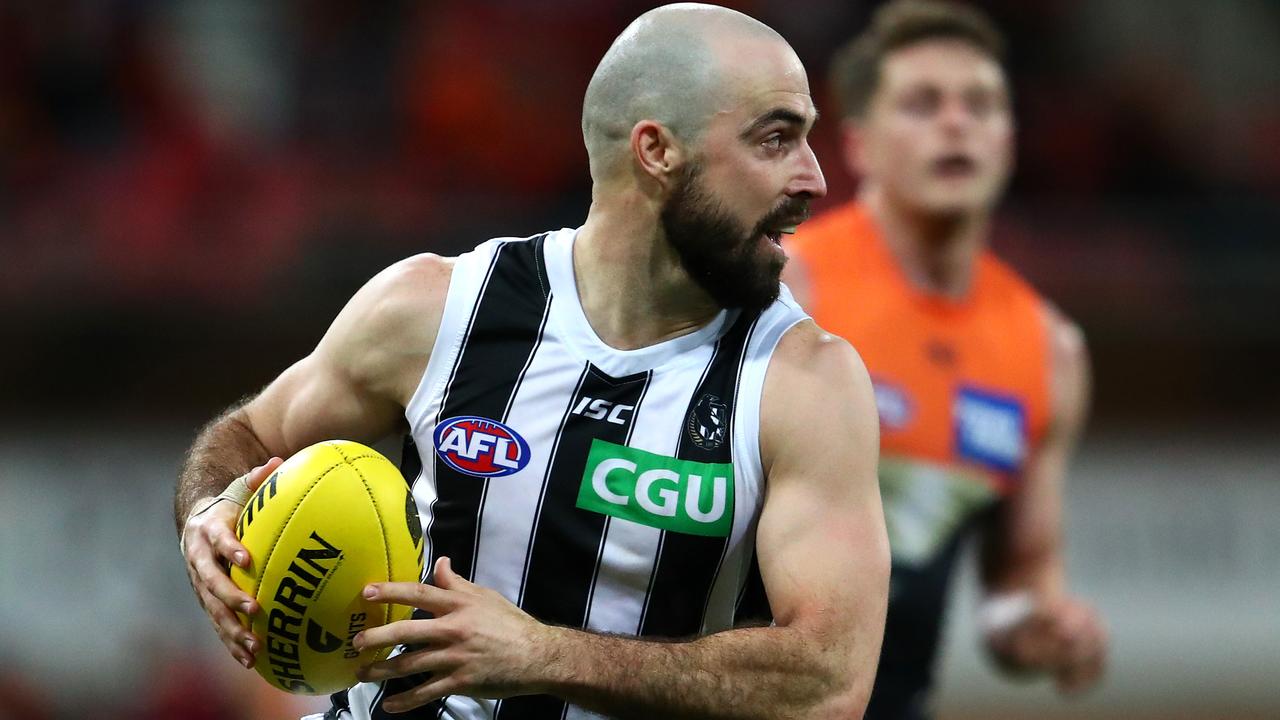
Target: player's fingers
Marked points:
239	642
217	582
1079	677
433	689
426	597
261	473
406	664
1079	630
1084	661
228	624
1071	620
403	632
227	546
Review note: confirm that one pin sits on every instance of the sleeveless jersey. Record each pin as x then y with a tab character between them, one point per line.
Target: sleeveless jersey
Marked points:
962	393
615	491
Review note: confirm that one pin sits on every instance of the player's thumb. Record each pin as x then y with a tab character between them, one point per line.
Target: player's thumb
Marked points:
445	577
259	474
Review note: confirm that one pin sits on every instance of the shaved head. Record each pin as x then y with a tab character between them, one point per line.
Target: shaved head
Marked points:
663	68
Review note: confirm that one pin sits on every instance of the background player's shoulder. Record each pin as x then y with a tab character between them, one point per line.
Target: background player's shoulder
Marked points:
1068	350
1007	280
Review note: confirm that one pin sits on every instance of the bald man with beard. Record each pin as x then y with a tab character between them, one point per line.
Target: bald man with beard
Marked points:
665	387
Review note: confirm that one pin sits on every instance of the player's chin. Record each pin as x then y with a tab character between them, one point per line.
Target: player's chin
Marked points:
956	201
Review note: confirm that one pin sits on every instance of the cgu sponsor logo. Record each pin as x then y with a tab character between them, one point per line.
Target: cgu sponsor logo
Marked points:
658	490
480	447
286	629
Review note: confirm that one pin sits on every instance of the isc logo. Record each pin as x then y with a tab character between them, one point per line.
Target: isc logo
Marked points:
602	410
480	447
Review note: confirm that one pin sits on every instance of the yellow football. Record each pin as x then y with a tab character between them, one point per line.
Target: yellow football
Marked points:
333	518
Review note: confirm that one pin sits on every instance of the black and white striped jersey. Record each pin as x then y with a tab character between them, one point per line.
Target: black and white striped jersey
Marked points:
611	490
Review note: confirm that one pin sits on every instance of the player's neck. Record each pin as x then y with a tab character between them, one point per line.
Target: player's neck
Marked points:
632	287
937	253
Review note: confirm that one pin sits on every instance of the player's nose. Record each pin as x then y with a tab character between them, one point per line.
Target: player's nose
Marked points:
808	179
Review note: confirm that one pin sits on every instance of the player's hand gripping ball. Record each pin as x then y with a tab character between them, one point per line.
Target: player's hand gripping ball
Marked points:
333	518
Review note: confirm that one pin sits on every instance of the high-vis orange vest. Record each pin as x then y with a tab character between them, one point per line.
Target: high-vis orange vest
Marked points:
962	392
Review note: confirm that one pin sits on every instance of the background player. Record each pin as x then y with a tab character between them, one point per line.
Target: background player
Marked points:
982	386
664	307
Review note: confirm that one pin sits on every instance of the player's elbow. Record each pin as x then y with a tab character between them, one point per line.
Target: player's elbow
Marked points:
848	672
846	703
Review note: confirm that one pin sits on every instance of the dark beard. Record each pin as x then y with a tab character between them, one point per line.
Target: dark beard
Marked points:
717	252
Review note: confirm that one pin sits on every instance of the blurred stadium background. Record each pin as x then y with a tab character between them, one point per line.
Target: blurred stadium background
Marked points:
190	190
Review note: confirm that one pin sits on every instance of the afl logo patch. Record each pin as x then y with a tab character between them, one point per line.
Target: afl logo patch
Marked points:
706	423
480	447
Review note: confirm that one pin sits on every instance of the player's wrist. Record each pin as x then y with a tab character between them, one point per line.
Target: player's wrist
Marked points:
559	658
1002	618
1000	613
236	492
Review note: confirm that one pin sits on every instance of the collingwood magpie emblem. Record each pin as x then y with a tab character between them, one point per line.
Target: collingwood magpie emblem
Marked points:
707	422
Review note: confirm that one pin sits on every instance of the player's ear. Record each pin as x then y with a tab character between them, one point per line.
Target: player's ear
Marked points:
853	146
656	150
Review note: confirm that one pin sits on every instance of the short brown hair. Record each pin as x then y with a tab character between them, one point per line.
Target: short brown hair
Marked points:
855	69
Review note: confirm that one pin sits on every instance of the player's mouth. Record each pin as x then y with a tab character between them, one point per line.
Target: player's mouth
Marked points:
775	235
955	165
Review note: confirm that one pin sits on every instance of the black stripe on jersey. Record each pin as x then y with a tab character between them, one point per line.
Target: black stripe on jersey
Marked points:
564	546
687	565
337	703
411	469
410	460
502	333
752	607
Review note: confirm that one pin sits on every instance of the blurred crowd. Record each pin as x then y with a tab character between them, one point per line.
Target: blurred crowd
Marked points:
180	162
198	151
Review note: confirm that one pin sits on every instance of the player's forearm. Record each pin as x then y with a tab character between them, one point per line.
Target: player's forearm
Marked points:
224	449
766	672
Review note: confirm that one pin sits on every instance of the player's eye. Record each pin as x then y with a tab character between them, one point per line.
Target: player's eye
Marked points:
980	104
920	104
773	142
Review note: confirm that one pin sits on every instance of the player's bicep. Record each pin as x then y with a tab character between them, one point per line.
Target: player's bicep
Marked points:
354	385
312	401
821	540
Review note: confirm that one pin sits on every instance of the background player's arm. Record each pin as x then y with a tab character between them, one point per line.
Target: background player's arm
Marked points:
353	386
1022	559
823	555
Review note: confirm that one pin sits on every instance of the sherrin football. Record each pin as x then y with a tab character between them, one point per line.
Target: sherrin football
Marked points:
331	519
